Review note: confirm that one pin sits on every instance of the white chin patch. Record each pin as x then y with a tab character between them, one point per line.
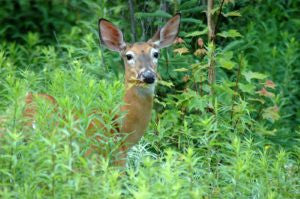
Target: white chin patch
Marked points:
147	89
151	87
155	61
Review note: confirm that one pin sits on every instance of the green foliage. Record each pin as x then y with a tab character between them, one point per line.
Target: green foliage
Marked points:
237	138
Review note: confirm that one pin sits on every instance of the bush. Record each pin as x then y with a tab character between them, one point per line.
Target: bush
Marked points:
236	138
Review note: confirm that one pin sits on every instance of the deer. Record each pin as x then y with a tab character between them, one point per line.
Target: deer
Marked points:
140	60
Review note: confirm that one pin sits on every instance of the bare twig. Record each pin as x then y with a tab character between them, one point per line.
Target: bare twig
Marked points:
218	20
212	71
234	124
102	53
201	87
236	86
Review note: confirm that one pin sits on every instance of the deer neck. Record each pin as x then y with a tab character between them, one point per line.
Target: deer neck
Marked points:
138	102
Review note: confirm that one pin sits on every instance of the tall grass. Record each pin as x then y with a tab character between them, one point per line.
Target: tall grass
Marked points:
243	142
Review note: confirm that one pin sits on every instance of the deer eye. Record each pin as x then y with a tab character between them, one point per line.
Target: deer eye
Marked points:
129	57
155	55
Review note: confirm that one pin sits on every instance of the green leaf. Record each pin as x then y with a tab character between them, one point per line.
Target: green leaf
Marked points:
227	55
197	33
249	75
225	60
213	11
226	89
199	66
181	69
228	64
192	10
192	20
247	88
197	103
181	51
165	83
232	33
260	100
158	13
232	14
160	102
271	114
233	45
188	4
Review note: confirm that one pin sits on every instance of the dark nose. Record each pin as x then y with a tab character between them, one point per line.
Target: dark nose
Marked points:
148	77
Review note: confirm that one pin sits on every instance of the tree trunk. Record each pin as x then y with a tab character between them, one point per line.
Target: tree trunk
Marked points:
211	38
210	21
132	20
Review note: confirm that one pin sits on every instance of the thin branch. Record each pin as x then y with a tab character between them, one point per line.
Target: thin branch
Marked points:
218	20
236	87
102	53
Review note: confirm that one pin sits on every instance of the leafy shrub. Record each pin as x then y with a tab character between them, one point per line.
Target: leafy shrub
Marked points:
236	138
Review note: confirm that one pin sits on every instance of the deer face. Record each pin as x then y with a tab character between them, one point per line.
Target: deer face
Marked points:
140	59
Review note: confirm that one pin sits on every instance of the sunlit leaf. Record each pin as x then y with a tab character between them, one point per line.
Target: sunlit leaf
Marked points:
224	63
197	33
232	14
265	131
200	52
199	66
226	88
181	69
192	20
271	113
160	102
247	88
249	75
232	33
181	51
262	101
197	103
227	55
165	83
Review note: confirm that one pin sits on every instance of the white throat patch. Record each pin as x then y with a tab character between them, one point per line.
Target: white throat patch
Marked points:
147	90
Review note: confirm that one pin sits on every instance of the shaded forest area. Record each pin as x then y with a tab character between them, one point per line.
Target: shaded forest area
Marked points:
226	116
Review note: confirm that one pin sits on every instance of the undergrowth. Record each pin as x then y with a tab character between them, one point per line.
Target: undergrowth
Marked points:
236	138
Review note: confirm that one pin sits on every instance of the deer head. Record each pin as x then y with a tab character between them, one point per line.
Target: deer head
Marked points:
140	58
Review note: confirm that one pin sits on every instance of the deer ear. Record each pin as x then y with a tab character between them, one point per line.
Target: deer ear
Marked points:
111	36
165	36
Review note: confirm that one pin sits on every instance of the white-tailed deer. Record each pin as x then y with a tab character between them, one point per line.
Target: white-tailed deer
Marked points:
140	61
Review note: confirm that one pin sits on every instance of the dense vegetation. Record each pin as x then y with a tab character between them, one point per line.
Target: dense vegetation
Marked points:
235	134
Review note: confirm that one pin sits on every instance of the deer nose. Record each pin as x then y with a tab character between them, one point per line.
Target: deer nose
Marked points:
148	77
